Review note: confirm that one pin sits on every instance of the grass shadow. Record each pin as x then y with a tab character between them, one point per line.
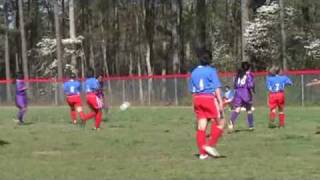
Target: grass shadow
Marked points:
243	130
211	157
3	143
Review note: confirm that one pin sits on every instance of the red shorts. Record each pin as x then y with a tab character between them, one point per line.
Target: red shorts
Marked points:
94	101
205	106
276	100
74	100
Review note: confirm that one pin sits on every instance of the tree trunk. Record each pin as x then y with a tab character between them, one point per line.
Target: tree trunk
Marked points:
140	82
59	50
175	45
283	36
244	24
7	66
72	31
23	41
201	27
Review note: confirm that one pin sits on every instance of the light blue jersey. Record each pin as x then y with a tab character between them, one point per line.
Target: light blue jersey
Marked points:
277	83
72	87
92	85
204	80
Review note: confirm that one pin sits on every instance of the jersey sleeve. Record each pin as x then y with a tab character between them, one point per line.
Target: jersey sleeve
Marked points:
288	81
214	78
268	84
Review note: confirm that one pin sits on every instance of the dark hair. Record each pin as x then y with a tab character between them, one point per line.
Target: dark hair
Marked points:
19	75
274	70
245	66
90	73
204	56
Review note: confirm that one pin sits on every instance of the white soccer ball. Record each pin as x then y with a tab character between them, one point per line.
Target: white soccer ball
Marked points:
124	106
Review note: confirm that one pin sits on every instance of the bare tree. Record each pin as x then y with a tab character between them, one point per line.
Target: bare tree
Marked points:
23	41
57	20
244	24
283	36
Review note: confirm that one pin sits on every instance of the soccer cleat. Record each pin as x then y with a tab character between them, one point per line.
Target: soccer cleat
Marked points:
203	156
272	124
211	151
96	129
251	128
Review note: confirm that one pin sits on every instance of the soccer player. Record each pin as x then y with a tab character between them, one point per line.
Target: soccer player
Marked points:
276	84
72	90
228	96
21	97
244	89
205	87
91	87
100	92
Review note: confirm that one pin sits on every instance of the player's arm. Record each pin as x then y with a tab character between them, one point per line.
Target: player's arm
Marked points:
313	82
288	81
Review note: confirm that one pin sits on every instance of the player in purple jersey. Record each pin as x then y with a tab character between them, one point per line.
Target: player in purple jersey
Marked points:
100	93
21	97
244	89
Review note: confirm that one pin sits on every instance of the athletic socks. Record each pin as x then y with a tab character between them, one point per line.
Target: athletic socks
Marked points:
281	119
98	119
201	141
250	120
216	133
234	116
272	116
73	114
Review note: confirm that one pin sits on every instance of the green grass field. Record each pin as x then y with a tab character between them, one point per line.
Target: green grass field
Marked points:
154	143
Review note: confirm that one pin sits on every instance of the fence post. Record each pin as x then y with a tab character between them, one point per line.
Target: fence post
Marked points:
302	90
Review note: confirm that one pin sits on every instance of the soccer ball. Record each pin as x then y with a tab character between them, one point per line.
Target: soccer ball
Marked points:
124	106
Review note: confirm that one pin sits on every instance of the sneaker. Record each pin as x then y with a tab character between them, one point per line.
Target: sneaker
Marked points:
96	129
211	151
203	156
272	125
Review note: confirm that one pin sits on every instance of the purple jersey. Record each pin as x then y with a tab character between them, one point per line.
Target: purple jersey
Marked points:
100	92
243	89
20	87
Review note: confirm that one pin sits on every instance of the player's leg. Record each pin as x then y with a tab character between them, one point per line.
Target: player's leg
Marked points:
236	103
21	103
217	126
201	126
201	137
250	119
281	104
272	113
73	113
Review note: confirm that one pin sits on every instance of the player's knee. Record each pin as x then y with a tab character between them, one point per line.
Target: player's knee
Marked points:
202	124
79	109
237	109
249	112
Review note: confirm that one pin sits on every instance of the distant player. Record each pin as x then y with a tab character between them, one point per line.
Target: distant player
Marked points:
100	92
244	89
276	84
21	97
72	89
228	96
91	87
208	106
